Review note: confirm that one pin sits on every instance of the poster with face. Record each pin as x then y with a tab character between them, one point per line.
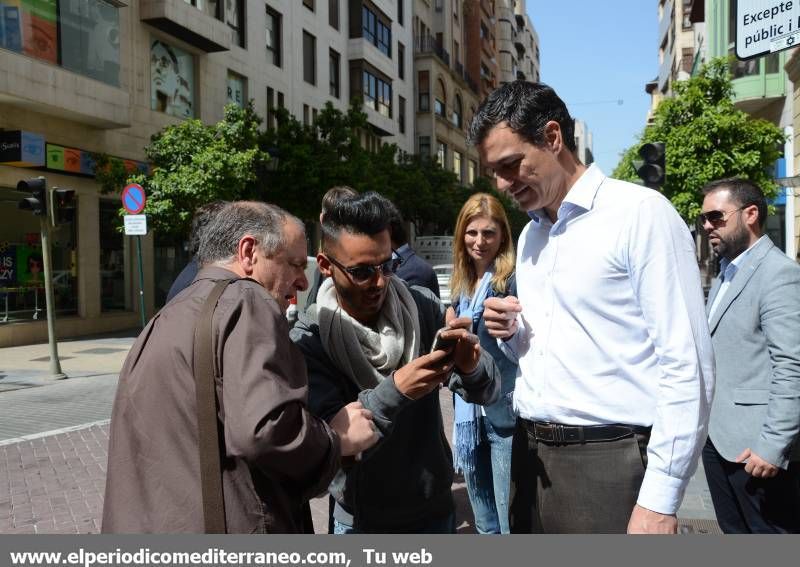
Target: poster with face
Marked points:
171	80
30	265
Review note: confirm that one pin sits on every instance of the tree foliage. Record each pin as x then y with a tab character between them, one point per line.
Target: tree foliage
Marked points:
291	165
707	138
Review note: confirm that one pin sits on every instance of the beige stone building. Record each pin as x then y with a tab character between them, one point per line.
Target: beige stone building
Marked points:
446	94
517	42
85	76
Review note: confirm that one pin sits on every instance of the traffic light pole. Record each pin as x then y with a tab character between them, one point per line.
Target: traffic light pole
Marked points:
55	363
141	281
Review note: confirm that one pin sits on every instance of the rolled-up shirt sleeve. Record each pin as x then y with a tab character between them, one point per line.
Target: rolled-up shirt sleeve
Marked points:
666	282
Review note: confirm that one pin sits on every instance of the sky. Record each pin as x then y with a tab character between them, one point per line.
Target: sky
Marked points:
595	53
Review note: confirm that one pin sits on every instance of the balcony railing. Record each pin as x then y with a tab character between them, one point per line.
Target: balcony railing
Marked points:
428	44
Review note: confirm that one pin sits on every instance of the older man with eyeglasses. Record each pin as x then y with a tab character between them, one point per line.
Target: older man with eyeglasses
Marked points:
370	340
752	456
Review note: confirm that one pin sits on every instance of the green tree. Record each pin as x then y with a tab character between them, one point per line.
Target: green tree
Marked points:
707	138
192	164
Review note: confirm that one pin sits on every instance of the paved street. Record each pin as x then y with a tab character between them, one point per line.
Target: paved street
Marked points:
54	435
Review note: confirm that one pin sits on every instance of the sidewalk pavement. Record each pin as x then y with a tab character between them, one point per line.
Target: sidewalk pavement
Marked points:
54	438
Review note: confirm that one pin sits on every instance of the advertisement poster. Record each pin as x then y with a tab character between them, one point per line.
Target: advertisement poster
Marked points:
39	29
8	265
30	266
171	80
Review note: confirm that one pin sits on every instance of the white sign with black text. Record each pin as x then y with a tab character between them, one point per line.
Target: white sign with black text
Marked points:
135	225
766	26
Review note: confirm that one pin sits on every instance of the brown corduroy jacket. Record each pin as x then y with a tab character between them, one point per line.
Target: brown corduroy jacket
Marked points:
277	455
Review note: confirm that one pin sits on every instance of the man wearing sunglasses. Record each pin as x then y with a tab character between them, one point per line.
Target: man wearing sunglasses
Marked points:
752	456
370	340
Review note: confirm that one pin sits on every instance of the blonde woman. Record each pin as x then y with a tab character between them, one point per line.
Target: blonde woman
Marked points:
483	266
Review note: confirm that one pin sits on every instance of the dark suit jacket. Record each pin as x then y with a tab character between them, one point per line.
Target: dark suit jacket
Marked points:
416	271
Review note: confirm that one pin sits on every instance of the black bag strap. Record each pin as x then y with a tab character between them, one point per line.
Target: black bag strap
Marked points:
207	423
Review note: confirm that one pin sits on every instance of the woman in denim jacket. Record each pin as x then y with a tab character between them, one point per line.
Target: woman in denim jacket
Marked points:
483	266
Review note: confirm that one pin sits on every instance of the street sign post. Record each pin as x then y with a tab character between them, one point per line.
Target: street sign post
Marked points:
766	26
133	201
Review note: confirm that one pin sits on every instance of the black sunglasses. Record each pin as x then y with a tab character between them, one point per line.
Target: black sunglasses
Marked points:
363	274
716	217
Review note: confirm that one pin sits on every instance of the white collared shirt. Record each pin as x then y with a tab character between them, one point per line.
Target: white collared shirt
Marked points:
613	326
728	268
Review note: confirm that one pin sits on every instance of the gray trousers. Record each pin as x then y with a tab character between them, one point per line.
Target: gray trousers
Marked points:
574	488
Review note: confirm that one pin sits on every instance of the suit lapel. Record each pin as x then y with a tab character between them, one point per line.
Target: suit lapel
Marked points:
743	275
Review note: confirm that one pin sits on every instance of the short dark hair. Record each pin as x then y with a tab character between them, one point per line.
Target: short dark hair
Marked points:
527	107
368	213
396	227
335	194
202	216
743	192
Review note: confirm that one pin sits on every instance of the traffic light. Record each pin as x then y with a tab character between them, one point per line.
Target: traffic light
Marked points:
63	210
652	168
37	202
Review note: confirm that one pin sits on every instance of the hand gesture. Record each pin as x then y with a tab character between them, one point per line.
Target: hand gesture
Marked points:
467	351
424	374
756	466
644	521
354	426
500	316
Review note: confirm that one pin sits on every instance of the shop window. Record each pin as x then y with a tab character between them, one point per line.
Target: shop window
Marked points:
171	80
22	265
113	260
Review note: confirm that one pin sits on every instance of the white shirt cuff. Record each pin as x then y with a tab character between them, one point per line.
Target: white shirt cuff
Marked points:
661	493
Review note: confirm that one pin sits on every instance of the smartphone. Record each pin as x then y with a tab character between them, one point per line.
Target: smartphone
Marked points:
440	343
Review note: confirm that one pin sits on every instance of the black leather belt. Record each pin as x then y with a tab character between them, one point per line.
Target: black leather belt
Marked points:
559	434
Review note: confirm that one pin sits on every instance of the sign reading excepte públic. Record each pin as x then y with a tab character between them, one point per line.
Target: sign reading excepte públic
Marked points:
766	26
135	225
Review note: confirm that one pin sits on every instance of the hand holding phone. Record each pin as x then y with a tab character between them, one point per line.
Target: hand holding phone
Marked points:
443	343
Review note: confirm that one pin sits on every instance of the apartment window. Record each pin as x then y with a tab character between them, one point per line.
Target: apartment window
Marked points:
457	159
237	85
273	30
400	11
376	32
455	9
377	94
425	146
233	15
484	31
313	115
171	80
457	112
333	71
333	14
441	153
440	100
472	169
401	114
438	5
401	60
423	82
77	35
306	111
309	58
309	4
270	108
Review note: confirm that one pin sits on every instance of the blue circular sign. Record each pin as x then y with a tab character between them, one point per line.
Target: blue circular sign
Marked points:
133	198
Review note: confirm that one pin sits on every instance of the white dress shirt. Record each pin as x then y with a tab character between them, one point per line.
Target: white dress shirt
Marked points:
613	326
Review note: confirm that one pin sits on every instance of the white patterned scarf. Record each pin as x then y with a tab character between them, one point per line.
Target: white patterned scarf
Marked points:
364	354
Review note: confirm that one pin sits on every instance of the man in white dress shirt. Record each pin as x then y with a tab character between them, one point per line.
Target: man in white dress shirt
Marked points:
616	364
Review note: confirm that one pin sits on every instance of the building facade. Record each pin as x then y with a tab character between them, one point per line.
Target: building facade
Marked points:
517	43
446	95
81	77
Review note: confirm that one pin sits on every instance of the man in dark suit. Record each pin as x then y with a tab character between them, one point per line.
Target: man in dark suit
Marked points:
414	270
752	456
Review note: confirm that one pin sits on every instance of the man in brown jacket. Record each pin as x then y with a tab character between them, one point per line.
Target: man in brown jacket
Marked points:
276	454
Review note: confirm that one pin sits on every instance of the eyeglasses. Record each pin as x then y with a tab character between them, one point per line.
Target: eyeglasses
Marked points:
363	274
717	217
